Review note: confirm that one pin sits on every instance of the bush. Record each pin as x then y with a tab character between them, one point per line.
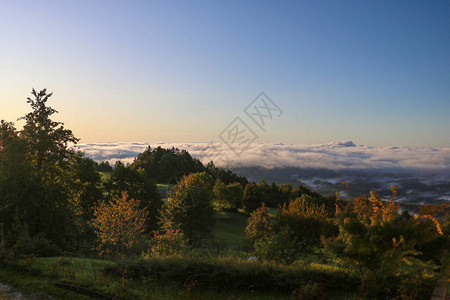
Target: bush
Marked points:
310	291
281	246
167	243
415	286
38	245
380	244
297	228
231	273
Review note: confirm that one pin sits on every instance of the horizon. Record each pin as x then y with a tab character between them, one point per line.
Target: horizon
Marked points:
343	155
376	73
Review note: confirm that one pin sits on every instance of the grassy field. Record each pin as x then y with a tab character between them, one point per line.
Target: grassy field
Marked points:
230	230
37	277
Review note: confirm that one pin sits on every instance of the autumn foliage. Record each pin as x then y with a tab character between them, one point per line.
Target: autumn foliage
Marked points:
258	225
294	230
119	224
377	241
167	242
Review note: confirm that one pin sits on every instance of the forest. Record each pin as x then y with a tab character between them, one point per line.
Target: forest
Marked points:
167	226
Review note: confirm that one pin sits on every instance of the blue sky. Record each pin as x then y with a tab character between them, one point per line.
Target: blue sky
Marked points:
375	72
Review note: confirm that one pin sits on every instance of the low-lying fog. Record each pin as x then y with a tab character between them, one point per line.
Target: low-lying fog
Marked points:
422	174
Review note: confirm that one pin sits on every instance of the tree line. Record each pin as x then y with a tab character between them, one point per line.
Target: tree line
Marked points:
49	191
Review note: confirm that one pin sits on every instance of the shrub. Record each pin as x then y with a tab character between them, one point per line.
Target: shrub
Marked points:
231	273
37	245
307	221
296	229
167	243
310	291
281	246
375	240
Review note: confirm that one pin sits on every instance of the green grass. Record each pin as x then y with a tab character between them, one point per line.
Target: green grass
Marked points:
229	231
204	277
33	286
231	273
37	278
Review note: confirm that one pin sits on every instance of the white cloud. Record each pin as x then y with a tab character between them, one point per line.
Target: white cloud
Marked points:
335	156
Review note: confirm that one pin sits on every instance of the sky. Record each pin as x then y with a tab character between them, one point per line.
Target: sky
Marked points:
374	72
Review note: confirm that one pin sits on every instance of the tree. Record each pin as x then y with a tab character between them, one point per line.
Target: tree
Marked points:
233	196
15	179
259	225
119	224
439	215
104	167
228	196
38	181
226	176
252	198
47	140
286	191
163	164
91	193
219	192
189	208
133	181
302	189
168	242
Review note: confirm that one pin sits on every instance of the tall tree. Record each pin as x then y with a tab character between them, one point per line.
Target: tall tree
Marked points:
38	182
47	140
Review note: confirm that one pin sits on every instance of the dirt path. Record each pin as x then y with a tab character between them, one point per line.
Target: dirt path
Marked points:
10	293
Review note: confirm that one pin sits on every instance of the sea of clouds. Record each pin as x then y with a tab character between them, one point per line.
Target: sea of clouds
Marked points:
333	156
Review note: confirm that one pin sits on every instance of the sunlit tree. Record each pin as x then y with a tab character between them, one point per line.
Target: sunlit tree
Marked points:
119	224
375	239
